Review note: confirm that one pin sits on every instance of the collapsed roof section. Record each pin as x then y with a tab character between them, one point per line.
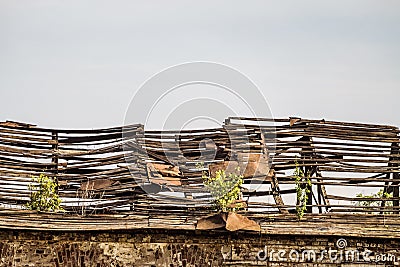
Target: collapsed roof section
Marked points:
132	170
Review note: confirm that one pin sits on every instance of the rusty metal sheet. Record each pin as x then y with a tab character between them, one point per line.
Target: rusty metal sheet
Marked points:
231	221
96	184
164	174
250	165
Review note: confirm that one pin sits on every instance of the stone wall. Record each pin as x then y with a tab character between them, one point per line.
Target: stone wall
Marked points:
188	248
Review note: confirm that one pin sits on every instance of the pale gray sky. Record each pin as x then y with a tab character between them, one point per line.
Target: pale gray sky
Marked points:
77	64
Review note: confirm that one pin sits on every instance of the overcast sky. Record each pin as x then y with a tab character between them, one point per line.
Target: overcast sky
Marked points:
77	64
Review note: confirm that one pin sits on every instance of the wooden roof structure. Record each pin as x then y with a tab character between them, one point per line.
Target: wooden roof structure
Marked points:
130	177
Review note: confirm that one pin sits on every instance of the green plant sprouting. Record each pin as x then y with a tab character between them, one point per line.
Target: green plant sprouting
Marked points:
303	184
44	195
225	189
384	200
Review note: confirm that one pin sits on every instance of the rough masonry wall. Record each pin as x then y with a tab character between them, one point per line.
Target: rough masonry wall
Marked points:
187	248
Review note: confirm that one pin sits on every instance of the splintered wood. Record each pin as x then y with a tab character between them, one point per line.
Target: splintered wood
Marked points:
125	170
